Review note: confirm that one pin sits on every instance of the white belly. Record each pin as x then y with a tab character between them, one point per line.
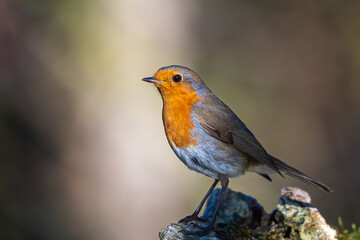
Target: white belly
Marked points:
212	157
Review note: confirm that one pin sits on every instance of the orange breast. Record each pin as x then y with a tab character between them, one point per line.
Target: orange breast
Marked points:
177	118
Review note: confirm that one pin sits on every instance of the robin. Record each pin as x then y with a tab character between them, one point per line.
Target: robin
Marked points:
208	137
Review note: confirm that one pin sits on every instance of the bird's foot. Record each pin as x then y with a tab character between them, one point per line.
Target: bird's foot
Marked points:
204	230
191	218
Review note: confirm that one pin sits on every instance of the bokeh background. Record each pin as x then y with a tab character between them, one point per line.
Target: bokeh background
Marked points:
83	153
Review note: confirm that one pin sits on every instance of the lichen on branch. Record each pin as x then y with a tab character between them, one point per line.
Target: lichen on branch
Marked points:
242	217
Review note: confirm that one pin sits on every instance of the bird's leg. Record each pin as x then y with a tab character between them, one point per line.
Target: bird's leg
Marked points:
224	185
195	215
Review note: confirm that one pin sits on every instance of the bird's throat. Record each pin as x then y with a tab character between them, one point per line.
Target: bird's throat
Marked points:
178	125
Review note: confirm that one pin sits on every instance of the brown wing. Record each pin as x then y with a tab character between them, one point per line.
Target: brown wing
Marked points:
243	140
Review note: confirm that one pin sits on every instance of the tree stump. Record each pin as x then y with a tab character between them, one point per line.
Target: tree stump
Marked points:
242	217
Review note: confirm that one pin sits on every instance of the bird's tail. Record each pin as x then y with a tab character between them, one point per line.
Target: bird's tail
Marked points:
292	172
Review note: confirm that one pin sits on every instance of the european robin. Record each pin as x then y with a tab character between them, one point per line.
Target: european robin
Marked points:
209	138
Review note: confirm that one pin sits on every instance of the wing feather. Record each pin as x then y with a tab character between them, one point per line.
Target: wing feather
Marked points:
243	140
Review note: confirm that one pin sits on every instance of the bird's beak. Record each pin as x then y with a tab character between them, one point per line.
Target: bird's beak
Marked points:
151	80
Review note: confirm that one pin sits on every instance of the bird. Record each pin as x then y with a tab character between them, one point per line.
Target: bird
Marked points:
209	138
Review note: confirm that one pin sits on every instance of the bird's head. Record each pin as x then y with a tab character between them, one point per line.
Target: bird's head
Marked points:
177	80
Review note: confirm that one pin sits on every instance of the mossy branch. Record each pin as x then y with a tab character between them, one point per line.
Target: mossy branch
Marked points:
243	217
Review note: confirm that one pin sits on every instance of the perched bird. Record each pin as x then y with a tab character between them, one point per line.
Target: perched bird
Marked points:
209	138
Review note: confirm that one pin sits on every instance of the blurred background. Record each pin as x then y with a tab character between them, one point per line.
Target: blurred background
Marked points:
83	154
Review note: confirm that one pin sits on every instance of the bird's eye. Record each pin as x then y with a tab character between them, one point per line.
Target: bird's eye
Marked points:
176	78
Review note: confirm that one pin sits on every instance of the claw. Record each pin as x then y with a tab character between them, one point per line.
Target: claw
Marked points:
204	230
195	225
191	218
